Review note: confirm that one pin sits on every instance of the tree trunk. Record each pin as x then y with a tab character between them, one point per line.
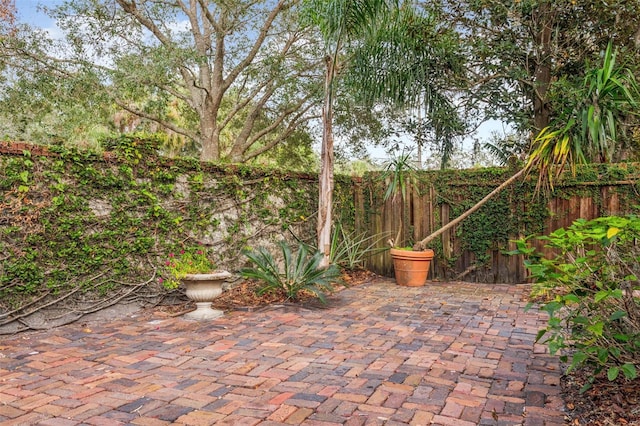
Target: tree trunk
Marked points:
325	193
209	131
542	75
210	150
421	245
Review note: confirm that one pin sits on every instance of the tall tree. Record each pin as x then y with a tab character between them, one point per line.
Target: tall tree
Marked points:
7	15
44	97
588	130
7	20
51	108
519	48
340	23
195	55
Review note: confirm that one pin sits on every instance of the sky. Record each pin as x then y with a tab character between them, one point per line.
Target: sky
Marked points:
29	14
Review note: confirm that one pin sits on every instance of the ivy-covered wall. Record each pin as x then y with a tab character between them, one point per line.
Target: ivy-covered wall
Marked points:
80	231
79	226
474	250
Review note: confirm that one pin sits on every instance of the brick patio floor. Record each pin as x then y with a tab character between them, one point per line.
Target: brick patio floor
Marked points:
444	354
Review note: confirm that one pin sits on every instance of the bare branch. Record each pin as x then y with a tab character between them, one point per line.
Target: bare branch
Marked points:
262	35
163	123
301	117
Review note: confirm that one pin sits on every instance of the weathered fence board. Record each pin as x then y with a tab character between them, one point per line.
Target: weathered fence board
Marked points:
431	205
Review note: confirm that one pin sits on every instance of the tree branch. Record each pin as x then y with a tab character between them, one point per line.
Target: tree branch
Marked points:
293	125
163	123
421	245
262	35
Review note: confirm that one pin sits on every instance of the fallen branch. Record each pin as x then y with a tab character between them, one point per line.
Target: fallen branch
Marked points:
421	245
466	272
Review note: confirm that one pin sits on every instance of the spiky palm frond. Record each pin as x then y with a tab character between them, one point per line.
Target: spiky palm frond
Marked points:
588	130
300	271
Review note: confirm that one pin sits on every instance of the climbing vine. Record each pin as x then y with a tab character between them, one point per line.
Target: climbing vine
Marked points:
518	211
81	229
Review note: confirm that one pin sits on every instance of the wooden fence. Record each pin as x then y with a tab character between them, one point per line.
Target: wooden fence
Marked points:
474	250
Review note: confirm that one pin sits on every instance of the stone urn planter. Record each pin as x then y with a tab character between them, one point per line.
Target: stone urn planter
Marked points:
203	289
411	267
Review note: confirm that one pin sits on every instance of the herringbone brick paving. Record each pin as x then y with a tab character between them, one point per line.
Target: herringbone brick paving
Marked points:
444	354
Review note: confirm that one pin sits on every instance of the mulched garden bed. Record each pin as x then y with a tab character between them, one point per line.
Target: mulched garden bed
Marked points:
604	404
244	296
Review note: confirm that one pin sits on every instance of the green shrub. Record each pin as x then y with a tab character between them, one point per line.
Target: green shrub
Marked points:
189	260
300	272
590	290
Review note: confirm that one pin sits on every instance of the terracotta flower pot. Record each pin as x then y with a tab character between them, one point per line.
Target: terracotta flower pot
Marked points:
202	289
411	267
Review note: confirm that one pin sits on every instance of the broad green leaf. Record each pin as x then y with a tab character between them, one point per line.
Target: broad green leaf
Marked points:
541	333
596	328
629	371
577	359
617	315
612	373
581	320
572	298
551	307
621	337
602	294
554	347
603	355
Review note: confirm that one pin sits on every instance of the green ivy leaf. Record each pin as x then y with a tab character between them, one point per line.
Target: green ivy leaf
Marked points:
612	373
629	371
617	315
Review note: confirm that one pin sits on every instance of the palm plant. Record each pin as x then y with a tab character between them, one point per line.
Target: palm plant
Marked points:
504	148
300	272
589	129
397	55
413	62
339	22
399	173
